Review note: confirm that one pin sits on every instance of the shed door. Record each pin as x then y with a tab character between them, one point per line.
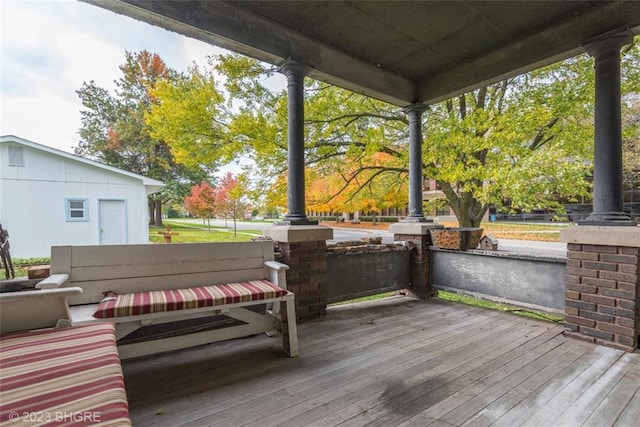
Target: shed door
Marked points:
113	222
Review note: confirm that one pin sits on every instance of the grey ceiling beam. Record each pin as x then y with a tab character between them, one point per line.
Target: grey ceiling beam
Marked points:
544	47
228	26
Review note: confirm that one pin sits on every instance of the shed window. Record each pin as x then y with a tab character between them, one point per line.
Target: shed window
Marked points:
77	209
16	156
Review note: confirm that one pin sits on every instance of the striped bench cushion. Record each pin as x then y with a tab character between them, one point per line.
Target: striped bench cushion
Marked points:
114	305
69	376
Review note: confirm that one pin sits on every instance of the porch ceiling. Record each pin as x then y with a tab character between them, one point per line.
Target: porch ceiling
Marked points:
400	51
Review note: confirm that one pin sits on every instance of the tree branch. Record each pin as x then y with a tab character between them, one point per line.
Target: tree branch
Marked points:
481	99
463	106
360	115
541	138
379	170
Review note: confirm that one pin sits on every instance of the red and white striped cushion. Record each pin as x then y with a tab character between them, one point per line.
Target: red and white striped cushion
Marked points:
114	305
69	376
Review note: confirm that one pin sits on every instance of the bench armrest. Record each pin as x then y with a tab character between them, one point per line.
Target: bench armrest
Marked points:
51	294
26	310
53	281
276	273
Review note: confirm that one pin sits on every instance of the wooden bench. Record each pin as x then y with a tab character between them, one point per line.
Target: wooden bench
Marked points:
135	286
52	373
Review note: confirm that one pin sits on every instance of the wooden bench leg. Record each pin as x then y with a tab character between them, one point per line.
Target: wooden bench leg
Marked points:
290	333
273	309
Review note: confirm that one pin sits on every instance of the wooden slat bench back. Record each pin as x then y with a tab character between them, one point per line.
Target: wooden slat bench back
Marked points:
137	268
129	269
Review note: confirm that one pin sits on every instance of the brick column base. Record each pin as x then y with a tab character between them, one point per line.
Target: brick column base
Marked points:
603	286
420	257
307	276
304	248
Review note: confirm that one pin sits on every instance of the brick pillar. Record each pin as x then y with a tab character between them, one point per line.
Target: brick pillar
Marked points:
603	285
420	257
307	276
305	252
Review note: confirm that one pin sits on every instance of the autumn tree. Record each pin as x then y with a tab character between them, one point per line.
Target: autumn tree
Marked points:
201	201
275	196
231	197
371	190
114	131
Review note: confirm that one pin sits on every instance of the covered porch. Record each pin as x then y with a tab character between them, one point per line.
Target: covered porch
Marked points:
396	361
412	361
412	55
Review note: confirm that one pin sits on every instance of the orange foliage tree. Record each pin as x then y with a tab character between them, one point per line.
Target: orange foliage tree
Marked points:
374	183
231	197
201	202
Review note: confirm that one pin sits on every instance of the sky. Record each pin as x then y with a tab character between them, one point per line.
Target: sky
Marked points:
50	47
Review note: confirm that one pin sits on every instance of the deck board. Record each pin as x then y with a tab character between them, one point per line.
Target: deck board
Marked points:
614	403
392	362
416	388
631	413
544	394
411	364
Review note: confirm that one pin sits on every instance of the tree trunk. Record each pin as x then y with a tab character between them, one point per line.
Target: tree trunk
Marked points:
467	219
235	230
468	210
151	206
158	213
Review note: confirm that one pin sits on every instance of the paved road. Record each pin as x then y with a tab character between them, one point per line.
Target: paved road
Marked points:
530	247
339	234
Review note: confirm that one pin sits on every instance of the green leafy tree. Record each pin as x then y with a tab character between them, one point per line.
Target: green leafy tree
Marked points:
525	142
114	131
191	116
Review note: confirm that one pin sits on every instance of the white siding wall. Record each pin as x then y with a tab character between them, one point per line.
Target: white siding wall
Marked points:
32	202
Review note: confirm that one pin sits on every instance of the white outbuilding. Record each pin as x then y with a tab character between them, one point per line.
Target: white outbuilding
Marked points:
50	197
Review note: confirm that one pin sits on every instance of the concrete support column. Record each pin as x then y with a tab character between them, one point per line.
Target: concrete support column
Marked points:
295	74
414	111
304	248
607	175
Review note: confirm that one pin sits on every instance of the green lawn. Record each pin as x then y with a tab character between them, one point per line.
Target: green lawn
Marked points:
197	233
521	231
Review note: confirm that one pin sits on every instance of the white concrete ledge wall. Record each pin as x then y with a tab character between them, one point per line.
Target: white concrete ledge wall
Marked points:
529	280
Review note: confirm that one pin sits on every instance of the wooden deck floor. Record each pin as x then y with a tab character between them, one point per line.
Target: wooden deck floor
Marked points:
400	362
